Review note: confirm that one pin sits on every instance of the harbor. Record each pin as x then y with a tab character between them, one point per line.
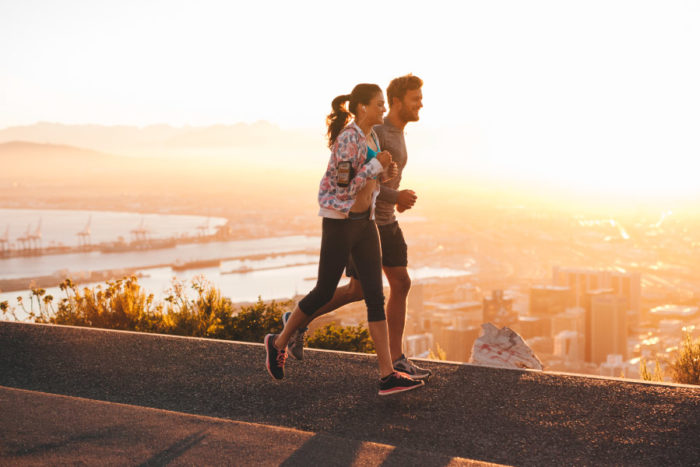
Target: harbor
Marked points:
156	233
273	267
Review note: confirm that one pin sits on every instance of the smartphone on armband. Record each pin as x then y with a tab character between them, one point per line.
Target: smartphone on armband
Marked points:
345	173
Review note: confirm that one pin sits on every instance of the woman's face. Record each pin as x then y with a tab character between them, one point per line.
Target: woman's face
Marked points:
374	111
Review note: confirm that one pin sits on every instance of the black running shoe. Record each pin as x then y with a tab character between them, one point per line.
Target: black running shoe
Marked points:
404	365
397	382
275	359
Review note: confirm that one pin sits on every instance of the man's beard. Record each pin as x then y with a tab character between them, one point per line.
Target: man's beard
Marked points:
408	116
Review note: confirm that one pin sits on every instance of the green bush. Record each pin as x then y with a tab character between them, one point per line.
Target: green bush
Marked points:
208	314
686	368
6	309
439	353
122	304
252	322
647	375
348	338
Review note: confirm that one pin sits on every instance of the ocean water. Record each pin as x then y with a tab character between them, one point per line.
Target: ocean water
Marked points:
33	266
284	274
284	280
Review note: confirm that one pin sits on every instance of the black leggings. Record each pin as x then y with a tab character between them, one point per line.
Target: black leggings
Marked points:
340	238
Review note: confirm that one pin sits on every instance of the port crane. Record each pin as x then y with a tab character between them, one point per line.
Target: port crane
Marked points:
84	239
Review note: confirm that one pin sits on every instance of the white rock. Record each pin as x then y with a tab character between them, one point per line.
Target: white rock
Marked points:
503	348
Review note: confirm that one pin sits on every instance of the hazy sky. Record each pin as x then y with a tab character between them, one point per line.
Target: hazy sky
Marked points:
591	92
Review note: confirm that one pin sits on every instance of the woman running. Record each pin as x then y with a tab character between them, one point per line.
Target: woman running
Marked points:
346	197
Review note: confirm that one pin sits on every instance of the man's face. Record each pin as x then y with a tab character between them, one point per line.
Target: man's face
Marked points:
410	105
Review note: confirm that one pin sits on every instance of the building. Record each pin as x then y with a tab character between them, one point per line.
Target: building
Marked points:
453	326
415	298
418	345
534	326
569	346
467	292
456	342
550	300
542	346
498	310
665	312
588	320
614	366
459	315
572	319
671	328
582	280
608	327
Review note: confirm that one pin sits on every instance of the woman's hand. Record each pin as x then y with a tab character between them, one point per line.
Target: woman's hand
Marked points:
384	158
390	172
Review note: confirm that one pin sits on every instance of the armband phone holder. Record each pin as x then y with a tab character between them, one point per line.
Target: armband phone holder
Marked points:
345	173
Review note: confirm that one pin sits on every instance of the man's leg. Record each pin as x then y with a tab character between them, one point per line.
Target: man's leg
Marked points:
400	284
395	262
350	292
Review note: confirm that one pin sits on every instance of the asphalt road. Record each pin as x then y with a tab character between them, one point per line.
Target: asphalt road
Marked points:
468	412
46	429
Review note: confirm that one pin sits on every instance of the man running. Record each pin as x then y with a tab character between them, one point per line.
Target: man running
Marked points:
405	101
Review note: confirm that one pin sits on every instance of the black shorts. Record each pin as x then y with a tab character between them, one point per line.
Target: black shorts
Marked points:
394	249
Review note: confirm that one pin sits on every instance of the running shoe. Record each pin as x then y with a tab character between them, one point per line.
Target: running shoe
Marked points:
397	382
295	346
404	365
274	360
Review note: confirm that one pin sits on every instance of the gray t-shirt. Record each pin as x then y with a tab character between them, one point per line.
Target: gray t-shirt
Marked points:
390	139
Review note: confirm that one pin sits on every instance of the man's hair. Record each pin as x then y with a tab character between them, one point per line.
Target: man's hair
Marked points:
399	86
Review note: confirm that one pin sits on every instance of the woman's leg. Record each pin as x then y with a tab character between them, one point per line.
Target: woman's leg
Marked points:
335	247
367	256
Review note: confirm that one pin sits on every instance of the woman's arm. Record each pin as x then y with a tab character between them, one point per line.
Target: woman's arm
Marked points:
350	148
390	172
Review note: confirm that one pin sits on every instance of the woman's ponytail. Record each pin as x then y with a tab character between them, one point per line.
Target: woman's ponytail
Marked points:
338	118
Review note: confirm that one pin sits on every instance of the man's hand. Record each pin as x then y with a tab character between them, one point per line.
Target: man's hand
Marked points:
390	172
406	200
384	158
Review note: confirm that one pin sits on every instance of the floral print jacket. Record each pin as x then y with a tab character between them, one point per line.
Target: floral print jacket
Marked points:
335	200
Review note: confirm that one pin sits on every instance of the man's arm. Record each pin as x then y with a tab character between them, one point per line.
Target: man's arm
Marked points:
406	200
388	194
403	199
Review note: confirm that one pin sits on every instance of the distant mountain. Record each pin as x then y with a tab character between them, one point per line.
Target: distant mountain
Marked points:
39	151
74	168
275	153
24	159
262	140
